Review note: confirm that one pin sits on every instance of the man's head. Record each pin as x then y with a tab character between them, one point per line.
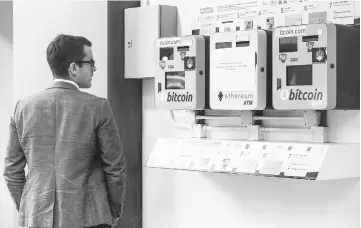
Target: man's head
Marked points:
71	58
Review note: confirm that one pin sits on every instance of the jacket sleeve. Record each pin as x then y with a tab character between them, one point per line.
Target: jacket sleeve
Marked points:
113	161
15	162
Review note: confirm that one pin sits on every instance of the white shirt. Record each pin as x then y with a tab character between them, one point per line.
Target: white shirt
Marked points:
68	81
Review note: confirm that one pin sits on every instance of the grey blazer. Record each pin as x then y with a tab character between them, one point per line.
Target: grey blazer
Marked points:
76	167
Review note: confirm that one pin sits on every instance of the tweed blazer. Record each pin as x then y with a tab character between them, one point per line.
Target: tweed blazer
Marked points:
76	168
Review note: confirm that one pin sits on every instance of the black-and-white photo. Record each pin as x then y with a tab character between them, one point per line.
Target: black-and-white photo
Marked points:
179	114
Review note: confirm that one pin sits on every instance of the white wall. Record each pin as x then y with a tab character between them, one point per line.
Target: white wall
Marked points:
36	23
6	83
6	73
181	199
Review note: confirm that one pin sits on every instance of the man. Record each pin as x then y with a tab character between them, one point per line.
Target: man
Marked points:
71	145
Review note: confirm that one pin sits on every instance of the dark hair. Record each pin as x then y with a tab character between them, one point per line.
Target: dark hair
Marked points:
64	50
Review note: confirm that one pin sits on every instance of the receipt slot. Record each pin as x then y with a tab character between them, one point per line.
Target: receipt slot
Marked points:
180	73
316	67
240	71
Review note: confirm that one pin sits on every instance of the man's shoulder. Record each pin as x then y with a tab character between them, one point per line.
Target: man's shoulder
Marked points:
90	97
48	97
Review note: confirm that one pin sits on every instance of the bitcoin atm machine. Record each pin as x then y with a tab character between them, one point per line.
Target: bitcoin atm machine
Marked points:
180	73
241	70
316	67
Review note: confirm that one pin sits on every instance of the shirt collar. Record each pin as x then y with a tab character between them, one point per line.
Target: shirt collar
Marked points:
65	80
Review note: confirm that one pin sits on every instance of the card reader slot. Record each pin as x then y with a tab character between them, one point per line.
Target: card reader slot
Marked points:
309	38
223	45
242	44
279	83
183	48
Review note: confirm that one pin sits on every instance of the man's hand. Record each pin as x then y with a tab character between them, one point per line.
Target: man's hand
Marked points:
15	162
115	222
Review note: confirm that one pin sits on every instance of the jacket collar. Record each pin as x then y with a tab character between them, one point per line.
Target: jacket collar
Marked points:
63	84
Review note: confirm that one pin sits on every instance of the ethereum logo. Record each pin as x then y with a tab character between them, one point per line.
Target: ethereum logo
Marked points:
220	96
320	55
189	63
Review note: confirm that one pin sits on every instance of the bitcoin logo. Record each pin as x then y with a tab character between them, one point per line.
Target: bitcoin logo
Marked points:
285	94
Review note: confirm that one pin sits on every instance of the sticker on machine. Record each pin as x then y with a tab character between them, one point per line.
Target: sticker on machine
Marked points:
237	97
189	63
285	94
290	31
319	55
173	41
301	95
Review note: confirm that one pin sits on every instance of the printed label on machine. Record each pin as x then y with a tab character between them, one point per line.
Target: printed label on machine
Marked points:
233	79
173	41
176	97
240	98
238	72
299	95
290	31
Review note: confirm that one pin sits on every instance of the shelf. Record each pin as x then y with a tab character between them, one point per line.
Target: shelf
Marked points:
309	161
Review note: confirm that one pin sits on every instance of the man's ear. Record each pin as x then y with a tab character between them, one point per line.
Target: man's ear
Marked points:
73	69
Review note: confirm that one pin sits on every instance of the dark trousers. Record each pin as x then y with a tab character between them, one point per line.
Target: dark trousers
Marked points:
100	226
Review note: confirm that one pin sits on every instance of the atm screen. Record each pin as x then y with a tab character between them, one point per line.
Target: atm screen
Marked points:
288	44
175	80
300	75
166	53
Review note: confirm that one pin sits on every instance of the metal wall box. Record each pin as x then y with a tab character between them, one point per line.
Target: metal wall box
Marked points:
142	26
